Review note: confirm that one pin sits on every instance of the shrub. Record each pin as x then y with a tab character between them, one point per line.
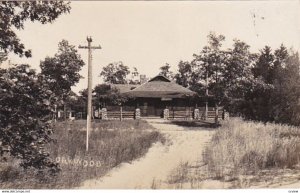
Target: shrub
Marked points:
25	112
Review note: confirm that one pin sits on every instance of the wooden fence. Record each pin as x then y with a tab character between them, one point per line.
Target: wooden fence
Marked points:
189	114
180	114
120	115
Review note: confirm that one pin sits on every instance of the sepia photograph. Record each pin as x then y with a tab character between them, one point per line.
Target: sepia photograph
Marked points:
149	95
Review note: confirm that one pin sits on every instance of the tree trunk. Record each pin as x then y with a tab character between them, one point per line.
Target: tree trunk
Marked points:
55	113
65	111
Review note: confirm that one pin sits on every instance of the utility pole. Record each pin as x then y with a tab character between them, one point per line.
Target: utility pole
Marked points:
90	78
206	94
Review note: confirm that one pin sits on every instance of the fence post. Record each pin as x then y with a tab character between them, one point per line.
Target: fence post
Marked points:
166	113
137	113
104	114
206	111
121	116
225	115
196	114
217	114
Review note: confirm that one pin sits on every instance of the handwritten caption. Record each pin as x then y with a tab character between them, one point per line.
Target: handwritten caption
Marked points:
77	162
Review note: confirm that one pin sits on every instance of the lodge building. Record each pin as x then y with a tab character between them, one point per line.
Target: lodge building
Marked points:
157	98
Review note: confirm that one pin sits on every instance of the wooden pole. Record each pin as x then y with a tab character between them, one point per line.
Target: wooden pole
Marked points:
121	111
89	107
90	78
217	114
206	93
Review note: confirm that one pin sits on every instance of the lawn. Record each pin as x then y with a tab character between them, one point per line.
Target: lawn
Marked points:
111	143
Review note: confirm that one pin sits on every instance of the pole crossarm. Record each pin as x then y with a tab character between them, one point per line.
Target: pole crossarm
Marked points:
87	47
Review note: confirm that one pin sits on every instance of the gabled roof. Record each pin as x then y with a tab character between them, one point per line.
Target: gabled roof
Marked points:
160	78
160	87
123	88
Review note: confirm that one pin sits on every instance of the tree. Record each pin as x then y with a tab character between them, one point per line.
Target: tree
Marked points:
3	57
25	112
165	71
106	94
264	65
13	14
237	71
276	96
284	100
184	76
61	72
115	73
134	77
210	62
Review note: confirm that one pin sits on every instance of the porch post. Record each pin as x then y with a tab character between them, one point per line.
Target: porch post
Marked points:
166	113
137	113
225	115
104	113
196	114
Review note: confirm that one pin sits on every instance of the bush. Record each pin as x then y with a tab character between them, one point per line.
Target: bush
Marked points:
25	112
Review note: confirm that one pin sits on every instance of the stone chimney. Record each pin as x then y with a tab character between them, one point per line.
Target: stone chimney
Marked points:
143	79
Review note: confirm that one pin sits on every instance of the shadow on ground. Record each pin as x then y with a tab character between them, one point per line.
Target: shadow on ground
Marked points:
202	124
192	124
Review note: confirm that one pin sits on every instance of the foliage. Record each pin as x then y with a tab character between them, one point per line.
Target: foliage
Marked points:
115	73
185	75
212	62
25	112
263	86
279	101
61	72
134	77
165	71
106	94
13	14
3	57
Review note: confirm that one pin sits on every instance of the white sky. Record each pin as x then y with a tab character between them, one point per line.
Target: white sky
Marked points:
149	34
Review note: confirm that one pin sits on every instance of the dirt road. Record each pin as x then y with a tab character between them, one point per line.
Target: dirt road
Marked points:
184	145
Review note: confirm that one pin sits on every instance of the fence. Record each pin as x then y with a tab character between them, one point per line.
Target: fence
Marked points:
187	114
190	113
120	114
181	114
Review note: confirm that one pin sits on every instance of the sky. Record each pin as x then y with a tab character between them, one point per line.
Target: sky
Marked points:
148	34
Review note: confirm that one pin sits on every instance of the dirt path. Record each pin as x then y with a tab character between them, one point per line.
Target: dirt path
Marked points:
185	145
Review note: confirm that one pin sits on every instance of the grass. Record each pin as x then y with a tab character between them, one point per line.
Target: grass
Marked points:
242	154
111	143
246	148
